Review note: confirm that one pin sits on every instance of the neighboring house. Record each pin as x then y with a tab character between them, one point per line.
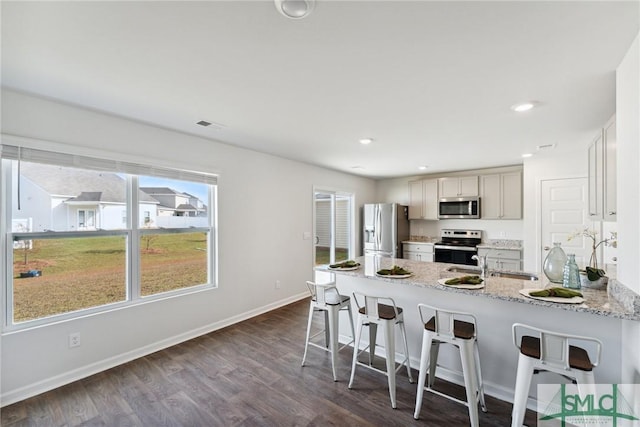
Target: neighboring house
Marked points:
176	203
67	199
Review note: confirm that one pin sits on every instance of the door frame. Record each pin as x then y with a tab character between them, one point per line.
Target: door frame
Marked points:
353	220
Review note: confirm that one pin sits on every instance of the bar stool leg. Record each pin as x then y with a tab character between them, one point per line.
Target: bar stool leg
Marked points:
390	346
422	374
433	362
306	342
523	382
353	330
333	335
406	352
469	374
476	352
356	350
373	333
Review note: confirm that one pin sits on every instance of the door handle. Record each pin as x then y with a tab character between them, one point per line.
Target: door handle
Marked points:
317	240
546	248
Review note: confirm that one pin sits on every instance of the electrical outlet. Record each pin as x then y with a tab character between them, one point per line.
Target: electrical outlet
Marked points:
74	340
277	284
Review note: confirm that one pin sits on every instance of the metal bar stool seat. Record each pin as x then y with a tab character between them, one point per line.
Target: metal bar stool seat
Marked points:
553	352
459	329
326	298
373	313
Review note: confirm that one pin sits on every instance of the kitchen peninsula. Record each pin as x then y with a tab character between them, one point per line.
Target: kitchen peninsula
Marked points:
497	306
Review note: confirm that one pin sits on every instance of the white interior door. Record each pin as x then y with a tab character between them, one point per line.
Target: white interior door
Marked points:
564	210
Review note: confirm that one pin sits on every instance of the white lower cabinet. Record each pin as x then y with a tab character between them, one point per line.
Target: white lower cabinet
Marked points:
418	251
502	259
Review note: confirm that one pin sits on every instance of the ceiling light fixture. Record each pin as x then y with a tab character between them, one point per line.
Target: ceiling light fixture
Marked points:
525	155
524	106
366	141
295	9
422	167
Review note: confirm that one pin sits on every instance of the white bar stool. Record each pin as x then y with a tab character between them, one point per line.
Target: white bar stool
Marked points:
372	314
459	329
550	351
325	297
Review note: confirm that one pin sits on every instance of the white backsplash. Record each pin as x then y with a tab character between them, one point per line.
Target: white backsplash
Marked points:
491	229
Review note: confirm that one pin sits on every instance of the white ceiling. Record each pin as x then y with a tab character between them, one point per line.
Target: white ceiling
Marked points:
431	82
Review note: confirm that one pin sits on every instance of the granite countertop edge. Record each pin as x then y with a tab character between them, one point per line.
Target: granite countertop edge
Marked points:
426	274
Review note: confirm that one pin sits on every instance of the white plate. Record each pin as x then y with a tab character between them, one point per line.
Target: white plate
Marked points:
572	300
345	268
465	286
398	276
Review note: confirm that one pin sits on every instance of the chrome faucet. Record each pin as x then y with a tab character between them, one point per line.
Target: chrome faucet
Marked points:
482	263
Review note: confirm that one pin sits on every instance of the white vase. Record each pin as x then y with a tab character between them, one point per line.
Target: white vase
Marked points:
601	283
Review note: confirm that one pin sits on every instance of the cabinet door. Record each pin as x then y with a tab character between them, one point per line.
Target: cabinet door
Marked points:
609	209
490	202
468	186
449	187
412	256
595	178
416	200
511	195
430	192
509	265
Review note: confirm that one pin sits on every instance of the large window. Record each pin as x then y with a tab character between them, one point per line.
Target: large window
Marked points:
83	234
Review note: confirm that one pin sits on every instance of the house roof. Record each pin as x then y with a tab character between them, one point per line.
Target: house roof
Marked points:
79	184
157	191
186	207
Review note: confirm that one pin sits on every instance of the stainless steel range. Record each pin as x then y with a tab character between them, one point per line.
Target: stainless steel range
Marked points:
457	246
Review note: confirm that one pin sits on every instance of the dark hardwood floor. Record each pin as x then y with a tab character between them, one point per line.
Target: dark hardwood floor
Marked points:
248	374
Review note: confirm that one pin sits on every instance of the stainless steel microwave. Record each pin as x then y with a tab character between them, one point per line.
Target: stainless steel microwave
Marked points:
459	208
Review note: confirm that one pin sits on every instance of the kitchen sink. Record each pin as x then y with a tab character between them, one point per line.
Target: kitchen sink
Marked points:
513	275
506	274
466	270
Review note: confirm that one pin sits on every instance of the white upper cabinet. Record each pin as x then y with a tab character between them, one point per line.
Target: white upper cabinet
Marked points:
423	199
610	171
501	196
460	186
602	174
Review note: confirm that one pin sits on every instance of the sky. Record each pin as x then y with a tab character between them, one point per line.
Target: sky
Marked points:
194	188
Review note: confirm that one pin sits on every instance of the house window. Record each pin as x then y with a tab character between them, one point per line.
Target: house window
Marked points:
70	259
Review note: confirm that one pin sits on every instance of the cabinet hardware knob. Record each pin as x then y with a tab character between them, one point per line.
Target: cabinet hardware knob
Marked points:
546	248
612	213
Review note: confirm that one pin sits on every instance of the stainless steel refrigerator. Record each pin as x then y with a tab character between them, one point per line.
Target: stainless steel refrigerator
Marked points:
386	225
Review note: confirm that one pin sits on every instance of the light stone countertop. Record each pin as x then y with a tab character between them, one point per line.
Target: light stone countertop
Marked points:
427	274
501	244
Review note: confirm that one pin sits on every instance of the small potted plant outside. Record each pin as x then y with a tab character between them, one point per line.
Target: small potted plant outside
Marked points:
593	276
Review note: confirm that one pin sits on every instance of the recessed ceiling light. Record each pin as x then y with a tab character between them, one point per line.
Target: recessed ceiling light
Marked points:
422	167
524	106
366	141
525	155
295	9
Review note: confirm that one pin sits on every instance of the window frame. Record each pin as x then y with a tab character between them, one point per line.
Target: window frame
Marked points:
132	230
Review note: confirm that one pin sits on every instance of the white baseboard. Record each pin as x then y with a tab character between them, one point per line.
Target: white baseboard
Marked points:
39	387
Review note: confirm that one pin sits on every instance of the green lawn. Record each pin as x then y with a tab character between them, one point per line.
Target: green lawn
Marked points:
87	272
322	255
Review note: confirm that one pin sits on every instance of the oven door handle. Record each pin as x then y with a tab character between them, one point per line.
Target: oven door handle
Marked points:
456	248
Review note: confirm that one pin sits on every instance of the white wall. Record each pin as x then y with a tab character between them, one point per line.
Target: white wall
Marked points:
544	166
628	200
262	215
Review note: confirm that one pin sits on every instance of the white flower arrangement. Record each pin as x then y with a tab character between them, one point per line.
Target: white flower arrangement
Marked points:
612	241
